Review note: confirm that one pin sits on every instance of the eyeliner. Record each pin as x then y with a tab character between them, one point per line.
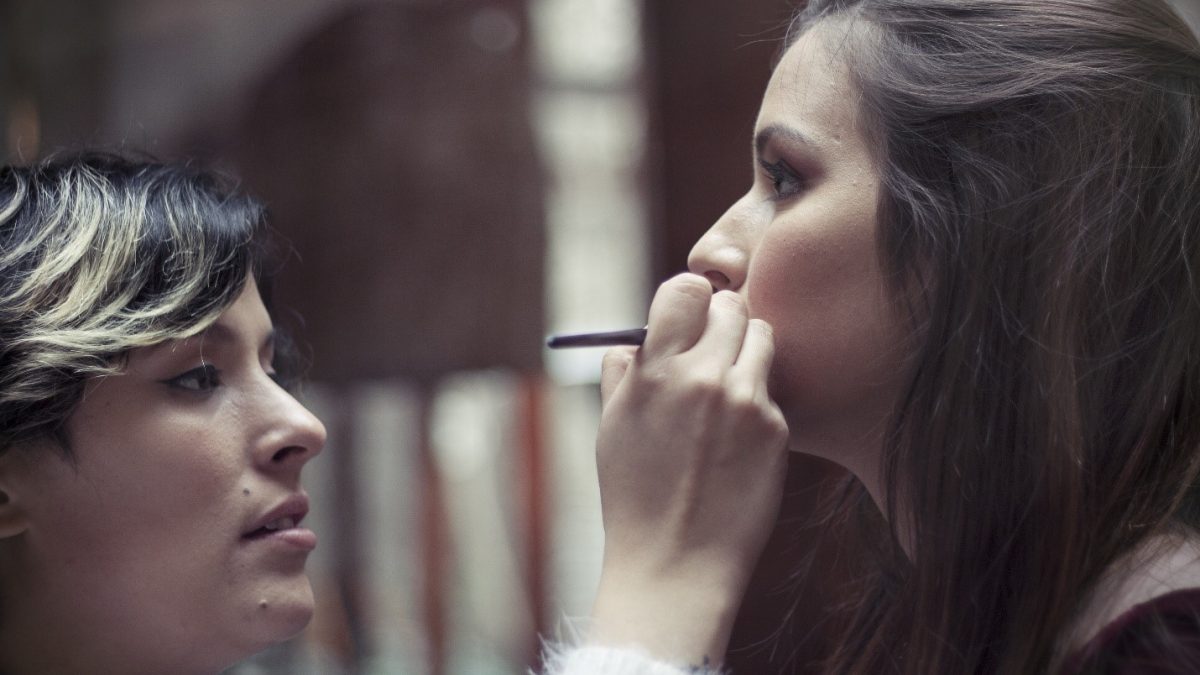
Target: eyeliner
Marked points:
632	336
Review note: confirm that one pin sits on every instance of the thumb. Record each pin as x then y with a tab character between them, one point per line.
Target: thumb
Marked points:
612	371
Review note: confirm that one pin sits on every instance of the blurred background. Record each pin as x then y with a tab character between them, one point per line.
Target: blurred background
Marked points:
456	179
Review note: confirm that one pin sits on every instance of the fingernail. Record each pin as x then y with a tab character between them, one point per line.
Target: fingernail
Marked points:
763	326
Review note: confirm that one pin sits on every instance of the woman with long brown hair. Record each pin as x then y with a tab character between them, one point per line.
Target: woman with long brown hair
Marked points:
968	271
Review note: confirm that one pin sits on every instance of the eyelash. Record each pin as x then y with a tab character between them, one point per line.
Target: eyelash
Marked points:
206	378
780	174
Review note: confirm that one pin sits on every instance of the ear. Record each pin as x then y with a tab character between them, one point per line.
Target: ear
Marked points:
14	474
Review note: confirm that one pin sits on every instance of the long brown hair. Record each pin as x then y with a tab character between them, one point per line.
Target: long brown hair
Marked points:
1040	217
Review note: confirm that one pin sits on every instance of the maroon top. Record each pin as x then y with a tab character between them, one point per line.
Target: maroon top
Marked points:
1158	637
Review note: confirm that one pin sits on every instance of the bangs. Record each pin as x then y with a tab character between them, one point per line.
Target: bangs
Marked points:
99	255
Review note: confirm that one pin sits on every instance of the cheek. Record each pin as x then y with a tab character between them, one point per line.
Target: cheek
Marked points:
817	282
183	452
147	527
153	483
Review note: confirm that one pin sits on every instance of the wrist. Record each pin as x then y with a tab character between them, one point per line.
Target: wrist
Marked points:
672	618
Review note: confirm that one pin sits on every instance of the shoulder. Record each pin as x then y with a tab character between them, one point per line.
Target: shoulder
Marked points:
1160	636
1144	616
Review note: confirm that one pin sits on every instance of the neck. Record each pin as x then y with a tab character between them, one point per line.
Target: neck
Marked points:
856	446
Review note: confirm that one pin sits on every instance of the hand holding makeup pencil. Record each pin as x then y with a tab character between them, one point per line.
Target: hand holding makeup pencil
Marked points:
691	455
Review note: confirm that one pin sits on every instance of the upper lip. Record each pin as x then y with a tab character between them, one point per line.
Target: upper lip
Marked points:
295	507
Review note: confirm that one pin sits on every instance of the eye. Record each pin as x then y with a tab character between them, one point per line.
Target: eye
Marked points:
285	363
203	379
785	182
279	379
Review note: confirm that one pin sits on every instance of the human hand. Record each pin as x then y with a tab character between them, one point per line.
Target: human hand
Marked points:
692	457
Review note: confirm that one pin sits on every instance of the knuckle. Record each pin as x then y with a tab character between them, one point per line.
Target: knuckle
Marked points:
652	379
616	357
777	425
701	390
744	403
730	301
760	414
692	286
708	384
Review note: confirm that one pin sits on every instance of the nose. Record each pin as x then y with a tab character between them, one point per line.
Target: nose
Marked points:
722	255
291	436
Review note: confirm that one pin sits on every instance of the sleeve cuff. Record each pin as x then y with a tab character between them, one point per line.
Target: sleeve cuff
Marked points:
594	660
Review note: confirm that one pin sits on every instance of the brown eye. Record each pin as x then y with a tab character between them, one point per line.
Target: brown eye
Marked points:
203	379
785	182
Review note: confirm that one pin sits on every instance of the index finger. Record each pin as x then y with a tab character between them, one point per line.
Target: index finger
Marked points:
758	352
723	336
616	363
678	315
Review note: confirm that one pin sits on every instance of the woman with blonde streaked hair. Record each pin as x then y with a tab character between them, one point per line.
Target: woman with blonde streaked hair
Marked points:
967	270
150	456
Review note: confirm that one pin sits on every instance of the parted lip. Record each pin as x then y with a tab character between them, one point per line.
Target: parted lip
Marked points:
295	507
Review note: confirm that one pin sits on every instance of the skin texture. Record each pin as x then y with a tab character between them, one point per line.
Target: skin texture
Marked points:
692	449
800	248
133	560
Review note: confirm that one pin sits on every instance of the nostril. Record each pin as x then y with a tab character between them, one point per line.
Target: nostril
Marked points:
718	280
284	453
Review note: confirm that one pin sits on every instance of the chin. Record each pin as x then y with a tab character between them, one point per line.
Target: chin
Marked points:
276	616
292	621
288	615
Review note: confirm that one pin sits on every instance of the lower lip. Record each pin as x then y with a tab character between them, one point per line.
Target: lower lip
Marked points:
296	537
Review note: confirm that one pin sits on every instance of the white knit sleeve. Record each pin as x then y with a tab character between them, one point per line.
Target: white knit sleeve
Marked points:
591	660
570	654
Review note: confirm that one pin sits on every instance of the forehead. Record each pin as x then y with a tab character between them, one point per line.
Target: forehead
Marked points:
811	88
245	321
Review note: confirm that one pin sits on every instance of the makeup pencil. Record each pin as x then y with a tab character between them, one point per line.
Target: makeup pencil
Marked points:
632	336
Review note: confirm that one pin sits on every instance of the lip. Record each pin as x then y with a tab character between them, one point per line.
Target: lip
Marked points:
295	506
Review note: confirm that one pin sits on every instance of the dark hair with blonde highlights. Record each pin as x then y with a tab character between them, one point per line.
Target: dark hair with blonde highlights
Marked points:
99	255
1040	217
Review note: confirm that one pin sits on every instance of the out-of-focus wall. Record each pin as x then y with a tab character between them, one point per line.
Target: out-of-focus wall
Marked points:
1190	11
143	74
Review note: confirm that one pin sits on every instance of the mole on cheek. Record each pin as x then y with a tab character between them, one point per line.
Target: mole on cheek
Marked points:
246	491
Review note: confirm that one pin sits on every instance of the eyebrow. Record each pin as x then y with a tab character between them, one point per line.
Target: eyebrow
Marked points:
789	134
219	332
